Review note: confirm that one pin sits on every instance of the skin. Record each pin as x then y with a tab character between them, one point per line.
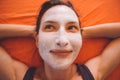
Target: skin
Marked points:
99	31
13	30
61	48
65	71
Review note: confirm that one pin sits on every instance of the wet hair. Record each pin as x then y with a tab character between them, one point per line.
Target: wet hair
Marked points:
47	5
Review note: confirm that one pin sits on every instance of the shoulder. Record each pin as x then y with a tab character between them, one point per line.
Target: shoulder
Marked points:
94	65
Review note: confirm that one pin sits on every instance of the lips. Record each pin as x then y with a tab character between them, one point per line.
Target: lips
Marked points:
61	53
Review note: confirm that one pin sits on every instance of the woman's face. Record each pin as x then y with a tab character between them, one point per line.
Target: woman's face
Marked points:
59	38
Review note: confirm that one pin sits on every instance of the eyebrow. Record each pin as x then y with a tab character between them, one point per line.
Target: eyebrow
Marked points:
50	22
73	22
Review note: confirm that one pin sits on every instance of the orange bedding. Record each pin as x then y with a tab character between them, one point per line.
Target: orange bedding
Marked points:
91	12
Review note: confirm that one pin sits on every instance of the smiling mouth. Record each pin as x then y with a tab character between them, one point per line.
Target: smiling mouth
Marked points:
61	53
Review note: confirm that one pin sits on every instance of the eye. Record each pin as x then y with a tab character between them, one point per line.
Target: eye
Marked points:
49	28
72	28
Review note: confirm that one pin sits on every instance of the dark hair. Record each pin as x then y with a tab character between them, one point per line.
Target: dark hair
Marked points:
47	5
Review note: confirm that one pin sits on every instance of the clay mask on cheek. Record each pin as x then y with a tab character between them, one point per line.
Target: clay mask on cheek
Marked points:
44	46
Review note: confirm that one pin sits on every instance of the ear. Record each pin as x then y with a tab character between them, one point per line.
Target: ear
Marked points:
35	35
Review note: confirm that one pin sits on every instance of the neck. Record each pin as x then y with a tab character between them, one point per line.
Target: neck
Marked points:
54	74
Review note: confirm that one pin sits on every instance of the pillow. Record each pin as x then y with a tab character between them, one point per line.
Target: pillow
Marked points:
91	12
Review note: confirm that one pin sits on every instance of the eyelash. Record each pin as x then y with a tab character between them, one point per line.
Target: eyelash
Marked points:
49	28
72	28
69	27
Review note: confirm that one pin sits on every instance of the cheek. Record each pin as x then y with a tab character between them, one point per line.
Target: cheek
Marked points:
76	42
43	45
45	40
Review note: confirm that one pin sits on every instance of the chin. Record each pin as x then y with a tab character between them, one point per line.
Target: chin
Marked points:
61	66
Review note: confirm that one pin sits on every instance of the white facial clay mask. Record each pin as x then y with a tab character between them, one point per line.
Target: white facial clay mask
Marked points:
58	43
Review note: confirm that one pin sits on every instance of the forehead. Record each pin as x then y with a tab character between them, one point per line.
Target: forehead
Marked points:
60	12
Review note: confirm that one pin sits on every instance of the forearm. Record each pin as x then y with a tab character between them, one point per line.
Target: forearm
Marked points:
109	30
14	30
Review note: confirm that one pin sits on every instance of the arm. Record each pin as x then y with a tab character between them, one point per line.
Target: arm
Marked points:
13	30
10	69
103	64
6	72
108	30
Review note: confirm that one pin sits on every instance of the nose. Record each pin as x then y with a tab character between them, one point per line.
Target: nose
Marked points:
61	43
61	39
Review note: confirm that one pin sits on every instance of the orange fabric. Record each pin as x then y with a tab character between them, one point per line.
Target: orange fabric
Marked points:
91	12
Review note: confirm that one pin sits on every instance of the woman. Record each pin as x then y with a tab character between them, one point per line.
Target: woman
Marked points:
59	41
